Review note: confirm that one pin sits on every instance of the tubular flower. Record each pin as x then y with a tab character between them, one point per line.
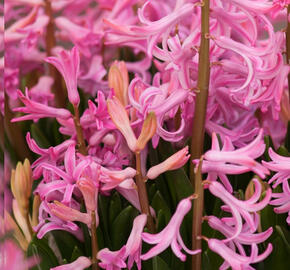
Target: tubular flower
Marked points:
235	260
239	208
174	162
80	263
69	214
170	235
282	200
68	63
219	162
280	165
36	110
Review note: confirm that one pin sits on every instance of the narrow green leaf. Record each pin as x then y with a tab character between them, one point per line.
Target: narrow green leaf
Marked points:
159	264
39	248
122	226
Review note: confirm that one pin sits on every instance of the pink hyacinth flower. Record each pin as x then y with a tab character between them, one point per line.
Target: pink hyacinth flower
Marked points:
121	120
235	260
280	165
112	260
112	179
219	162
174	162
239	208
36	110
134	243
69	214
283	201
68	63
132	250
170	235
89	192
80	263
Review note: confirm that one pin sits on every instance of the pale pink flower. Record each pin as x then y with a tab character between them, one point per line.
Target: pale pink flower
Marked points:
80	263
174	162
67	63
282	200
112	179
69	214
280	165
112	260
219	162
41	92
134	243
235	260
241	209
170	235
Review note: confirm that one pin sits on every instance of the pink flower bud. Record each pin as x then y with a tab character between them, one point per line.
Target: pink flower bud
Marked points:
69	214
119	81
172	163
90	193
121	120
148	131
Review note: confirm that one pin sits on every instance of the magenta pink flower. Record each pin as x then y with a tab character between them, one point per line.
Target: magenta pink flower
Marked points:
36	110
174	162
170	235
68	63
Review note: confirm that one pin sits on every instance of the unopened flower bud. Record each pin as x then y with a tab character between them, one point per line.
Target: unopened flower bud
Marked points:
69	214
90	192
21	185
119	81
172	163
121	120
148	131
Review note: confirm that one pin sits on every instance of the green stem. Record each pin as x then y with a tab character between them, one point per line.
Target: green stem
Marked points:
142	194
80	135
94	242
197	140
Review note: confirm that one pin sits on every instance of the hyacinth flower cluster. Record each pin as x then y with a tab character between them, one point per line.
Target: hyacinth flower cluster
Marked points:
109	109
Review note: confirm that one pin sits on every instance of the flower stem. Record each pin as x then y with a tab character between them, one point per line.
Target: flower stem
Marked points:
142	194
288	45
198	130
50	42
80	135
94	242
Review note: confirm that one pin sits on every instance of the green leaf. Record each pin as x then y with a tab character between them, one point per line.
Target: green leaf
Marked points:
66	243
76	253
159	264
159	203
121	227
104	219
115	207
285	236
38	136
40	248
